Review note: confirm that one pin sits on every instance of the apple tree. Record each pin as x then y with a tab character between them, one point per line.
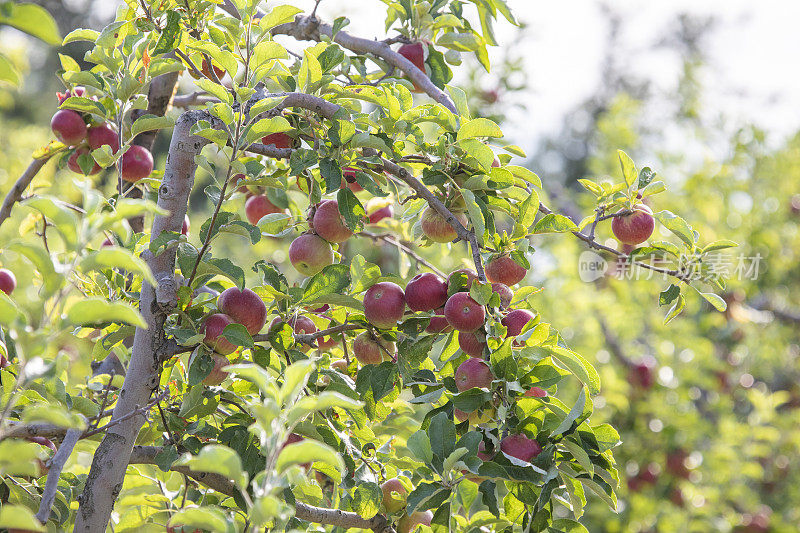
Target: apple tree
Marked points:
191	386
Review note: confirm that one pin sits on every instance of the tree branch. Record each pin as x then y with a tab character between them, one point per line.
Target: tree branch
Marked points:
309	513
56	466
15	194
311	29
390	239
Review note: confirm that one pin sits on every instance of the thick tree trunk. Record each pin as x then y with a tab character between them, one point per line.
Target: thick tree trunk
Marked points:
150	346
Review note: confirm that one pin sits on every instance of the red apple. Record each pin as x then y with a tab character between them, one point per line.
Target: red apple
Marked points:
379	214
464	313
309	253
72	162
520	447
516	320
328	222
186	225
68	127
8	282
415	52
505	270
213	327
438	323
676	463
137	163
101	135
483	454
470	344
426	292
642	373
301	325
371	351
536	392
340	365
258	206
279	140
436	227
384	304
473	373
504	292
470	274
394	495
634	228
349	174
217	375
245	307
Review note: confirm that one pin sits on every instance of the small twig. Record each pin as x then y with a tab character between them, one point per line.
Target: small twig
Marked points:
391	239
166	426
126	416
105	399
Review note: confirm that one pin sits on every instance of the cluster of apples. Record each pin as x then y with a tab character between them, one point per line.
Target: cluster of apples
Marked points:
82	132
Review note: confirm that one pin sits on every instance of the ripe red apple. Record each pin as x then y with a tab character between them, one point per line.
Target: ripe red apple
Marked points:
415	52
279	140
470	344
516	320
536	392
649	474
378	208
470	274
213	327
309	253
75	91
384	304
324	343
464	313
437	229
438	323
407	524
371	351
137	163
520	447
426	292
394	495
103	134
217	375
8	282
72	162
642	373
328	222
258	206
245	307
504	292
505	270
676	463
634	228
186	225
472	373
68	127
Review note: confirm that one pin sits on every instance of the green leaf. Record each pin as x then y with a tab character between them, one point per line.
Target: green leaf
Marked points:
676	309
18	458
333	279
116	257
479	127
42	262
669	294
278	15
718	245
295	379
714	299
524	174
257	375
351	209
646	176
8	73
442	434
90	311
149	123
676	225
8	309
308	451
273	223
207	518
566	525
20	518
267	126
217	459
363	273
31	19
628	168
321	402
367	499
573	415
576	364
266	51
51	413
502	361
554	223
237	334
383	379
81	34
171	33
420	445
475	215
310	72
426	496
63	218
84	105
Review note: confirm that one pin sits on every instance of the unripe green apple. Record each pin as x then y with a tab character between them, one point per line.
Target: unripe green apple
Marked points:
436	227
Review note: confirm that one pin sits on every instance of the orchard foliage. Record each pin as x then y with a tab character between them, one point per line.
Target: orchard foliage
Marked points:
446	401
